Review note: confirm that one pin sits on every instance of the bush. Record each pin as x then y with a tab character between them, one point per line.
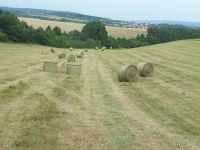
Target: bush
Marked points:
3	37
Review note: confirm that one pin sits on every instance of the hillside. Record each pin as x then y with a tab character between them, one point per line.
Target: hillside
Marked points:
63	16
67	26
40	110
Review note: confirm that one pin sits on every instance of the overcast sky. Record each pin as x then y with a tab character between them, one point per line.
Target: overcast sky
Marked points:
180	10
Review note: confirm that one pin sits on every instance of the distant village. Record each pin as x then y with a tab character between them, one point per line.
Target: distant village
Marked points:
131	25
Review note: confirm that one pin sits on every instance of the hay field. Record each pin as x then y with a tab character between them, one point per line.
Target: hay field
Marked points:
40	110
65	26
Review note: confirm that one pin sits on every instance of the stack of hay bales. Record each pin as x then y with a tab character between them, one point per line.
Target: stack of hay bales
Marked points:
49	66
71	49
71	58
62	55
45	53
128	73
146	69
52	50
80	54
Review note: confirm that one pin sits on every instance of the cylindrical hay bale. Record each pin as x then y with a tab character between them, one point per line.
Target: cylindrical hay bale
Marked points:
145	69
80	54
71	49
103	49
71	58
50	66
128	73
52	50
62	56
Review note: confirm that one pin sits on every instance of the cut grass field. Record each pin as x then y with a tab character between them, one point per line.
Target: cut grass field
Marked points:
65	26
40	110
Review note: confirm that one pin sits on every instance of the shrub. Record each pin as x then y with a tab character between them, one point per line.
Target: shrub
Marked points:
3	37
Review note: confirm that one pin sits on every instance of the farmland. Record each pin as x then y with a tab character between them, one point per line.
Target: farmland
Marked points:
112	31
40	110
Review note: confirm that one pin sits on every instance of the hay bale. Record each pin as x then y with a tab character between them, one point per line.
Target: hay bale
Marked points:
62	56
128	73
145	69
45	53
52	50
103	48
72	68
49	66
62	67
71	58
80	54
71	49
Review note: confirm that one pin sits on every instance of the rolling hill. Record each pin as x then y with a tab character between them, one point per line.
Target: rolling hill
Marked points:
63	16
41	110
67	26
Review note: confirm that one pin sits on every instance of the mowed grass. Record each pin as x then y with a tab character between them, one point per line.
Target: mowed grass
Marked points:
66	26
40	110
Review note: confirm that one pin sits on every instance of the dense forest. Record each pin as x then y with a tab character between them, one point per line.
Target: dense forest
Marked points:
93	35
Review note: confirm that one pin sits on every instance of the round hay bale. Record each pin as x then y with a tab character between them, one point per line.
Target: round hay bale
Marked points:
71	58
52	50
71	49
80	54
62	56
145	69
103	48
128	73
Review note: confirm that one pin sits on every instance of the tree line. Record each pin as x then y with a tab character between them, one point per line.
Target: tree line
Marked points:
93	35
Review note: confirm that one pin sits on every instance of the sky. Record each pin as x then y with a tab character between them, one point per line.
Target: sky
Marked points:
176	10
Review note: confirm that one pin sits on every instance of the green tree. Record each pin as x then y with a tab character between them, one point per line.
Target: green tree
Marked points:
48	29
57	31
40	36
96	31
75	34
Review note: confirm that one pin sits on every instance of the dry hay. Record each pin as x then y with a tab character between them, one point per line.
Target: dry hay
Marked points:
146	69
86	50
52	50
128	73
80	54
49	66
72	68
45	53
62	56
71	58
